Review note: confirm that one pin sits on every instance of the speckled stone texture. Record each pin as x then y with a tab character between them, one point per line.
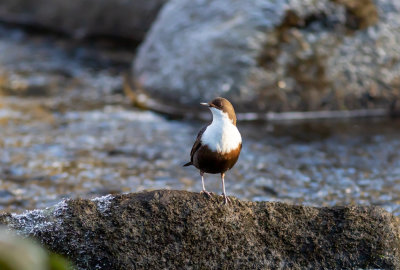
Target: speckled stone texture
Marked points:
128	19
273	55
181	230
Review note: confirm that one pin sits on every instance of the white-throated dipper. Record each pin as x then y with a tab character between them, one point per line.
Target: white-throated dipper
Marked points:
217	146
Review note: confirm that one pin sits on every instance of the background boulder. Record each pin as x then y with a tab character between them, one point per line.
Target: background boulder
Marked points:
128	19
181	230
273	55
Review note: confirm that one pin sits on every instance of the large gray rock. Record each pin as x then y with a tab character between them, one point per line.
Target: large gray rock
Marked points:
183	230
116	18
273	55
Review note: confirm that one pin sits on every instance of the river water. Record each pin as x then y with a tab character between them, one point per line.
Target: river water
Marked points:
67	131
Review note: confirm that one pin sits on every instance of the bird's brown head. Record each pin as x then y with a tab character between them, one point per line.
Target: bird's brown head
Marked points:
224	105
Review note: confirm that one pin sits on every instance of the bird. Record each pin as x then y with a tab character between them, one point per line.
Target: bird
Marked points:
218	144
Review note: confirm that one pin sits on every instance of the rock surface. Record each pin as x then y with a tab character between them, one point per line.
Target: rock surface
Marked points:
122	18
273	55
177	229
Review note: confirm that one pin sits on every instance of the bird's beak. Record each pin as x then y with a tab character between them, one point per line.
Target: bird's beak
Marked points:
205	104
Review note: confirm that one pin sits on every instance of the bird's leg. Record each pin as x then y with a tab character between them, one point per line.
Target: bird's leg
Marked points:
226	199
204	189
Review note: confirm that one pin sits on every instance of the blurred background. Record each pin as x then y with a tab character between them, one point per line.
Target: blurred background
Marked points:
102	97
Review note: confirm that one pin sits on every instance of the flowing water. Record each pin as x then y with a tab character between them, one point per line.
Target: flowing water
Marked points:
67	131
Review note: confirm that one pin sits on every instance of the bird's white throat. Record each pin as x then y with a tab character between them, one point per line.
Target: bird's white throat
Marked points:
221	135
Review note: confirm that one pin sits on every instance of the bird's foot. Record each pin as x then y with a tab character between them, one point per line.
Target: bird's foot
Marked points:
226	199
208	194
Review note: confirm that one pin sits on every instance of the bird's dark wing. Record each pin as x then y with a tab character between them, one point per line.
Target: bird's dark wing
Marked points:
197	143
196	146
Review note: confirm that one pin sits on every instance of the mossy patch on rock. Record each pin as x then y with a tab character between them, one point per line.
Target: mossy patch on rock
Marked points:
176	229
307	67
360	13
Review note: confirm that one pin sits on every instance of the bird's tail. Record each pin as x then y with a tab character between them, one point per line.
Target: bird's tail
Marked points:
188	164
